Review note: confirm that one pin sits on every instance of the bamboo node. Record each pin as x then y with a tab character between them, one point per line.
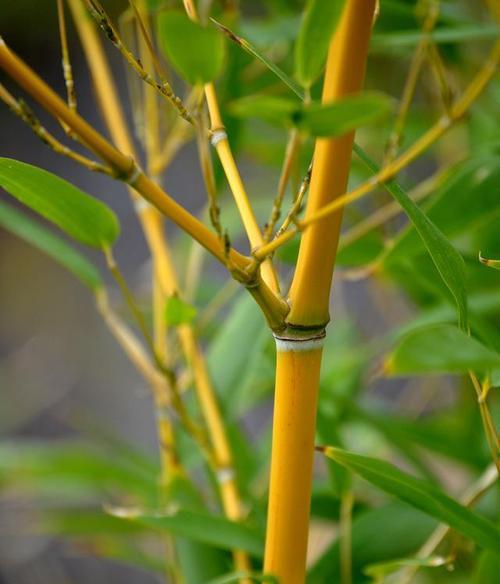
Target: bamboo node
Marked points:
132	175
225	474
218	135
300	340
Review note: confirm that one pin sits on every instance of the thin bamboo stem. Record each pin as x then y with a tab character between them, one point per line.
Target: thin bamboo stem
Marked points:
223	148
166	278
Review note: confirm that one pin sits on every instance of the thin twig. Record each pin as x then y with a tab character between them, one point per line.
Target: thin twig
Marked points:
21	109
164	88
297	205
291	153
66	63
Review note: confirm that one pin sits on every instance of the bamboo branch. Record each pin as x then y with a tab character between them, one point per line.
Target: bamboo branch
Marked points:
434	133
26	114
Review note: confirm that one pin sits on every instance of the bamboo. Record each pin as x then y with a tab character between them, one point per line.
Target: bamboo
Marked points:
273	307
299	349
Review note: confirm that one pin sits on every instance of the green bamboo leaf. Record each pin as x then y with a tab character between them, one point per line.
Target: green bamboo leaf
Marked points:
30	231
198	526
79	215
447	260
236	352
196	52
177	311
198	560
440	348
316	119
420	494
278	111
464	200
344	115
251	50
456	34
488	568
405	530
318	24
66	467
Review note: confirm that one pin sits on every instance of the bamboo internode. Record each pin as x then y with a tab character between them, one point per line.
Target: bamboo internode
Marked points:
298	370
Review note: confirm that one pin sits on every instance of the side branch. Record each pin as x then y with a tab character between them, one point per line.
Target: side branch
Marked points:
412	153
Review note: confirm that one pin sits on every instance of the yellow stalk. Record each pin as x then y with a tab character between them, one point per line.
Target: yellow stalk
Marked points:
310	291
299	348
151	222
297	381
221	143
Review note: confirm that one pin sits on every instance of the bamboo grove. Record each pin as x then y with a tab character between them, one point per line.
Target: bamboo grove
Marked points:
319	107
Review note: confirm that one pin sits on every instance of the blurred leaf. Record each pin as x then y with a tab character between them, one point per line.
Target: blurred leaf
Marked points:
55	247
79	215
456	34
404	528
198	560
316	119
319	21
235	351
63	466
196	52
177	311
447	260
274	110
201	527
244	576
381	569
439	348
488	568
344	115
420	494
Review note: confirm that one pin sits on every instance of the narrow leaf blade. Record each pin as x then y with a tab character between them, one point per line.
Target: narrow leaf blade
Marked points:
446	258
440	348
420	494
79	215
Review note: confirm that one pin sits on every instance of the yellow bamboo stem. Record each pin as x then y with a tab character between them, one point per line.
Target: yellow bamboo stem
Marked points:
297	381
310	291
299	348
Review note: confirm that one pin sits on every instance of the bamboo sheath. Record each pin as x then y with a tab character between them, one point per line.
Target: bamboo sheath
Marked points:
152	225
299	346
